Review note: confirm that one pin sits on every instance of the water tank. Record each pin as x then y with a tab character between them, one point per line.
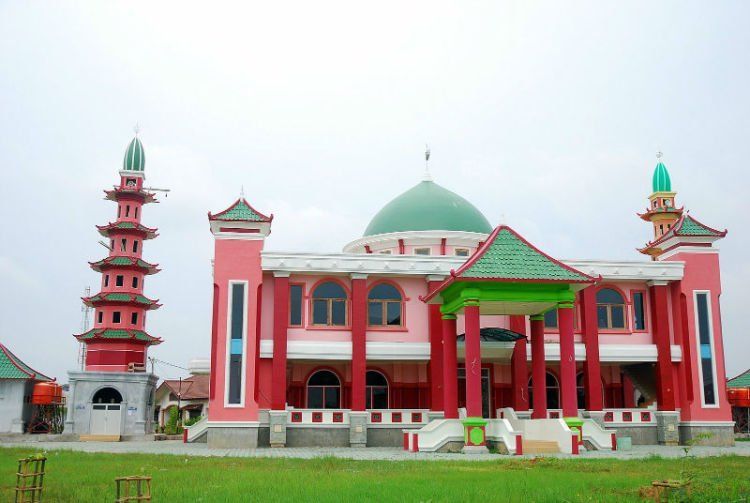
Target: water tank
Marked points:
46	393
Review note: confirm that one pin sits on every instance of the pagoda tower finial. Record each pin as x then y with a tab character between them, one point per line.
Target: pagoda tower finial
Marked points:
427	177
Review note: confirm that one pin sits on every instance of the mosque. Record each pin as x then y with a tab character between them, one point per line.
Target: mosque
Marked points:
434	331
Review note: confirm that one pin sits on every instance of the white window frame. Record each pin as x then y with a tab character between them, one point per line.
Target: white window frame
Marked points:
456	250
429	251
228	344
709	313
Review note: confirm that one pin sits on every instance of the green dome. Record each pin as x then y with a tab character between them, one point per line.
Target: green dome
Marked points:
428	207
135	158
661	181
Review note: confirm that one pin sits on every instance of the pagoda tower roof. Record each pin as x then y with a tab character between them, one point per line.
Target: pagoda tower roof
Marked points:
121	298
109	334
687	227
124	262
148	232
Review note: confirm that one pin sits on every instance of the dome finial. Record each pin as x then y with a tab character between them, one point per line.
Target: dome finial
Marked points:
427	177
136	129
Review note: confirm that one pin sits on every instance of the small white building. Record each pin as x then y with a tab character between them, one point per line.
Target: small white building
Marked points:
16	386
190	394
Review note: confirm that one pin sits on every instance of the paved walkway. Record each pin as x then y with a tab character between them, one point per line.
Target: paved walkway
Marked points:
372	453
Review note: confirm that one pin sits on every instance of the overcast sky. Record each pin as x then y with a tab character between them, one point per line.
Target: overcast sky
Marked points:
544	115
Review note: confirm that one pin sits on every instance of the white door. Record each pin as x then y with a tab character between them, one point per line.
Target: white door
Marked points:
105	419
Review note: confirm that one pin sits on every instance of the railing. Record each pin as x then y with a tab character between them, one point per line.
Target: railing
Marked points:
397	417
375	417
635	417
193	432
315	417
552	429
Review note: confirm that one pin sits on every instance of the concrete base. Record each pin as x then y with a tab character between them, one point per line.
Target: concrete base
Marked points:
720	435
667	430
358	429
317	437
244	437
385	437
277	428
639	435
475	449
136	388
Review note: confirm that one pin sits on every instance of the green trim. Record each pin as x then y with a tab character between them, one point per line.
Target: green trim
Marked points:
113	333
536	317
542	295
474	421
565	305
448	316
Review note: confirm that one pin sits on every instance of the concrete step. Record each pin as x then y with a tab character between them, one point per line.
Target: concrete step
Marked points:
100	438
540	447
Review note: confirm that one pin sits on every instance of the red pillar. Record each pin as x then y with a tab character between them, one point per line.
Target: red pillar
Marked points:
567	361
280	325
450	365
473	362
660	322
519	366
359	334
538	368
592	372
435	328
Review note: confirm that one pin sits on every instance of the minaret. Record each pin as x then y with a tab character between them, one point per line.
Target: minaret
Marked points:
118	342
662	212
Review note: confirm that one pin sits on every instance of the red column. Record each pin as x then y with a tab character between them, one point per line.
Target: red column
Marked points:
435	327
450	364
538	368
660	323
519	366
473	362
592	372
567	361
359	334
280	325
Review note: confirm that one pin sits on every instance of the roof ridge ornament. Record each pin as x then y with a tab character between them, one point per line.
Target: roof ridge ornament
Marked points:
427	176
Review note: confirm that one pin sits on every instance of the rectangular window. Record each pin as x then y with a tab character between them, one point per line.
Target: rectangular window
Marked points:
421	251
135	281
135	246
106	280
295	305
705	341
134	318
136	212
100	317
236	328
550	319
116	317
119	280
461	252
123	244
127	210
639	321
385	252
119	210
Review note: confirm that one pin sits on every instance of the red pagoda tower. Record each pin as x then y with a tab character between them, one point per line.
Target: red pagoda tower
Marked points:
119	341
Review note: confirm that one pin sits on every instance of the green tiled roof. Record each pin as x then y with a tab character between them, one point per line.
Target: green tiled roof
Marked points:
11	367
112	333
741	381
124	262
691	227
508	256
121	297
105	229
240	211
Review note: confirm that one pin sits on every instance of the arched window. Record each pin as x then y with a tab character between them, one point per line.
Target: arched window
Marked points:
610	309
384	306
329	304
107	395
553	391
376	396
323	390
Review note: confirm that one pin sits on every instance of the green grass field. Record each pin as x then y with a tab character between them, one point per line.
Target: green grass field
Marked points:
80	477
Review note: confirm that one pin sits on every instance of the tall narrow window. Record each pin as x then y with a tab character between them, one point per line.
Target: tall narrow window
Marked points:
100	317
119	280
135	246
705	341
136	212
376	394
135	281
329	304
550	319
127	210
384	306
134	318
106	280
610	309
124	244
295	305
116	317
639	321
237	328
119	210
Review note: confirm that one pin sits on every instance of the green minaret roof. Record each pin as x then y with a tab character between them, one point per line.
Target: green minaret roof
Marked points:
661	181
135	158
428	207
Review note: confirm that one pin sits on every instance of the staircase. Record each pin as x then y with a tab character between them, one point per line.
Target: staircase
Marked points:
540	447
643	377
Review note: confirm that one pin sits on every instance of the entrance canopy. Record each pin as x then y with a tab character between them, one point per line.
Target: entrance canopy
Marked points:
509	275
